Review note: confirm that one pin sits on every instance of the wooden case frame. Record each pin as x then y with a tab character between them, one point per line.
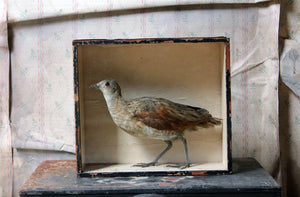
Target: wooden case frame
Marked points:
82	172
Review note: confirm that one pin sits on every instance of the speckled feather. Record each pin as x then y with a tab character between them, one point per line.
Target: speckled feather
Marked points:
163	114
154	118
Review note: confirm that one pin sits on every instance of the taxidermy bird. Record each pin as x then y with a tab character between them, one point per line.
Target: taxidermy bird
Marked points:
154	118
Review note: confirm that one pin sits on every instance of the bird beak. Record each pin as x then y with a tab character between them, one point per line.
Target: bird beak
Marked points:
96	85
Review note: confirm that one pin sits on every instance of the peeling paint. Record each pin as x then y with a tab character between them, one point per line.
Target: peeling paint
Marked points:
58	178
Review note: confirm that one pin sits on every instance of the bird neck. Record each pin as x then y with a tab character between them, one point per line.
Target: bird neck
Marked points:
114	100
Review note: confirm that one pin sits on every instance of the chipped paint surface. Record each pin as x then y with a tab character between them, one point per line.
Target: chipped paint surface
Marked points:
59	178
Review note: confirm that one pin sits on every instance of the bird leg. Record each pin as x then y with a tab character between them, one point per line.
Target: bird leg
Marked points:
153	163
188	163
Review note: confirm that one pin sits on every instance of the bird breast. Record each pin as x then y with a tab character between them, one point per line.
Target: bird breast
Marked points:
127	122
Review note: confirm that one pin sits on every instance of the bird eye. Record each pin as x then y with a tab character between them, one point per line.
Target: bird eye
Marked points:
107	84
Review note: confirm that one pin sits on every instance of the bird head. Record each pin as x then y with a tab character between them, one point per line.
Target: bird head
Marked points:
108	87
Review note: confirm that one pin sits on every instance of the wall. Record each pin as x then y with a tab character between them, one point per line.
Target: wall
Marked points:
41	33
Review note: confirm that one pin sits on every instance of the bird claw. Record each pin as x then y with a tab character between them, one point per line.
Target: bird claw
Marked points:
143	165
187	165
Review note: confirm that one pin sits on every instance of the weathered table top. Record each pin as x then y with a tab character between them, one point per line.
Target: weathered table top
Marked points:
58	178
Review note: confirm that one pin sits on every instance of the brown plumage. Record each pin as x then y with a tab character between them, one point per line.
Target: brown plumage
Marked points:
154	118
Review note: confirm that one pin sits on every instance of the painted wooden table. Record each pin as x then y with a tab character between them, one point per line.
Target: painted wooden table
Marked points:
58	178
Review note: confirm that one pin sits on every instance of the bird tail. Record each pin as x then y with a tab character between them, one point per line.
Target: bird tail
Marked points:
215	121
211	122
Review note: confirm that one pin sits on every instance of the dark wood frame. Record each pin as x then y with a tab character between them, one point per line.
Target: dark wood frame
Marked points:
77	43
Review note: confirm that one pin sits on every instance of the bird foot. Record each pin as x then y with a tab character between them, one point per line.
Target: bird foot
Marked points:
187	165
143	165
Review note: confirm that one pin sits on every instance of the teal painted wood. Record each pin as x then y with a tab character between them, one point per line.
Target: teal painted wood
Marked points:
59	178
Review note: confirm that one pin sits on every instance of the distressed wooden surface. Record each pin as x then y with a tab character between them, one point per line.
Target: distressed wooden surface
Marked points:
58	178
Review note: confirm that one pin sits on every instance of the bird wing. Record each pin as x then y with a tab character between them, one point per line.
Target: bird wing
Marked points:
163	114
